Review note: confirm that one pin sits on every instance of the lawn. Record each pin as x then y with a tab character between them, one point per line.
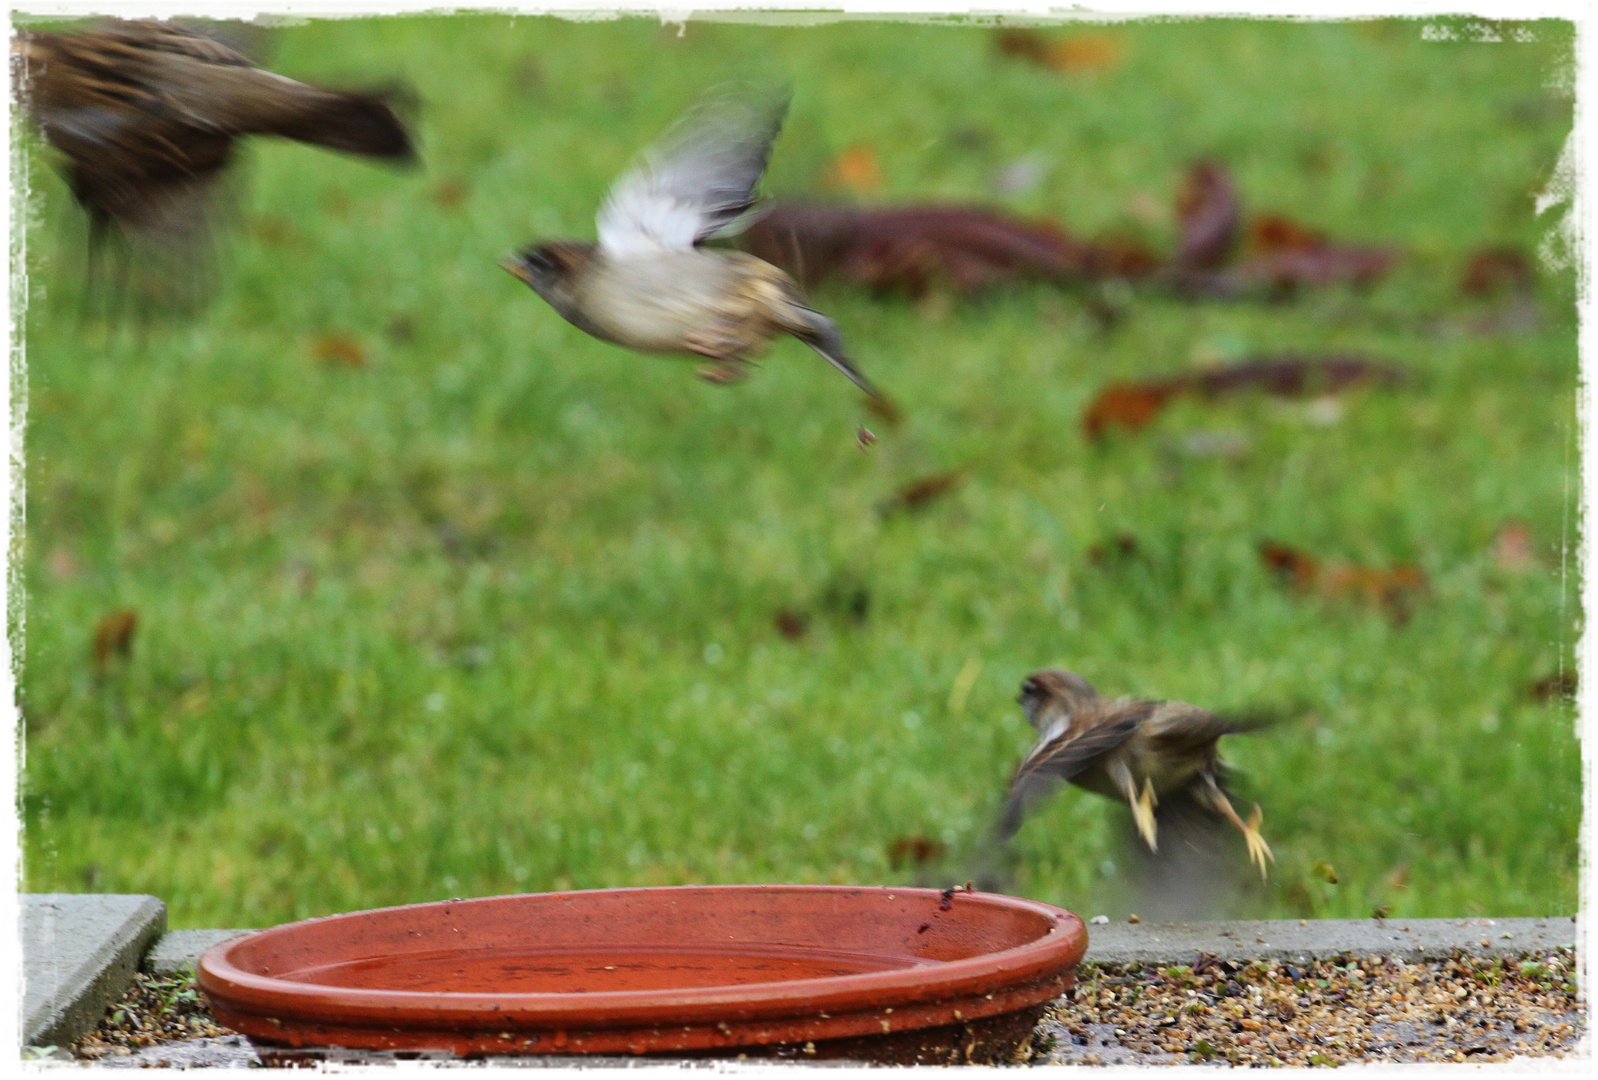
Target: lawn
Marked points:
437	597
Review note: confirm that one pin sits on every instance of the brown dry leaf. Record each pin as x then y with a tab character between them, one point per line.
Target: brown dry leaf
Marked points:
1295	567
790	624
1084	54
1495	270
1559	685
1023	45
113	637
1388	588
856	169
1513	549
1274	232
914	851
339	350
449	192
1121	546
916	248
1210	215
1133	405
918	494
1127	405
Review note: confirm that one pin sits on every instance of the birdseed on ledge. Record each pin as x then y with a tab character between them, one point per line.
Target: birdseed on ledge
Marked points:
1327	1012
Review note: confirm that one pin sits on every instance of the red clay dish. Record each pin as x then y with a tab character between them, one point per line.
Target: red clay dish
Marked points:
897	975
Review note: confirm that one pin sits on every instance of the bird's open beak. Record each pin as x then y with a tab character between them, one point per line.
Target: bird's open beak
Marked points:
518	269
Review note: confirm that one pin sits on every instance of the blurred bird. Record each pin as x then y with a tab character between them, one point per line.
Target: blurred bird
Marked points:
649	285
147	113
1132	751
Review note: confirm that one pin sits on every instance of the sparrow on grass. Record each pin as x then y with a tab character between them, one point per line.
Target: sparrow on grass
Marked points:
650	285
1129	750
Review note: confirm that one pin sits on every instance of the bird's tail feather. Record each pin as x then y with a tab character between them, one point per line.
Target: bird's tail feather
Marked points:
821	334
355	123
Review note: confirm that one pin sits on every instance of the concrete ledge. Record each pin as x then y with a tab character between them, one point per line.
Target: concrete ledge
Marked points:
1316	939
79	953
180	950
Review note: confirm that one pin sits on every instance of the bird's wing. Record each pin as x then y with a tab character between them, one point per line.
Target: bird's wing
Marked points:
1068	755
698	181
1178	727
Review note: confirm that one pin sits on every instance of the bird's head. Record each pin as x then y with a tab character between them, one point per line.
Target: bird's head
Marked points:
1049	693
547	269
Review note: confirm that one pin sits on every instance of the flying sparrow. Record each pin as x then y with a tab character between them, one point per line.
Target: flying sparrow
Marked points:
1129	750
146	114
649	285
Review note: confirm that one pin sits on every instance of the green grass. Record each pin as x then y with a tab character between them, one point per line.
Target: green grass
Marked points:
495	612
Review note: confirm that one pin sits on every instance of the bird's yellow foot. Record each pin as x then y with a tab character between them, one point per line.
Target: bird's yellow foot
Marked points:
724	374
1258	850
1143	815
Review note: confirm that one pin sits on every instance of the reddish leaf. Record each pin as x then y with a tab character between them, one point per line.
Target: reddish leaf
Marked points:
918	494
1133	405
113	637
857	170
790	624
1128	405
913	248
1077	54
1496	270
1210	215
449	193
1296	568
1513	549
338	350
914	851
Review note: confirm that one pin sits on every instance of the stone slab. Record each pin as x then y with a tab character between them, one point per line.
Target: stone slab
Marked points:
79	953
1293	939
179	951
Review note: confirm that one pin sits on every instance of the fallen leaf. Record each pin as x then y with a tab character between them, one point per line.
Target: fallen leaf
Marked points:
1296	568
791	624
1496	270
1121	546
1128	405
1209	215
1133	405
338	350
1560	685
1077	54
857	170
449	193
1389	588
1324	871
61	563
918	494
1275	233
1512	548
1086	53
914	851
113	637
916	248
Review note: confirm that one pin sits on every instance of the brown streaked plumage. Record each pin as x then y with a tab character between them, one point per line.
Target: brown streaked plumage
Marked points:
649	284
147	113
1129	750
